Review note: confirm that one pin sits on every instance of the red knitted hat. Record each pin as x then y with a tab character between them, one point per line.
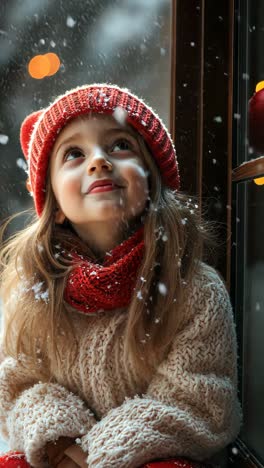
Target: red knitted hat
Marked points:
40	130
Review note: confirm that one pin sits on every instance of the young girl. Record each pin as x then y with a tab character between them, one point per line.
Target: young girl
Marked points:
119	341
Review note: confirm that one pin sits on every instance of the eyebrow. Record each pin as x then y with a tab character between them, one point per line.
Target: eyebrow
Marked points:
68	140
107	131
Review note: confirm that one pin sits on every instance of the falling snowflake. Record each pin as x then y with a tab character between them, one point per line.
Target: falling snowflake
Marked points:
218	119
22	164
120	115
139	295
162	289
234	451
70	22
39	294
45	296
4	139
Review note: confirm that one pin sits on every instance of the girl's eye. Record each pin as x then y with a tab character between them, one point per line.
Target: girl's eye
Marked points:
121	145
72	154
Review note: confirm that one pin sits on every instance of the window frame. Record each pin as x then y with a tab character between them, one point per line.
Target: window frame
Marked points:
192	154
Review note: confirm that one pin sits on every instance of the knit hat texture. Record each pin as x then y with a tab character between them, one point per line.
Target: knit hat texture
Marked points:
40	129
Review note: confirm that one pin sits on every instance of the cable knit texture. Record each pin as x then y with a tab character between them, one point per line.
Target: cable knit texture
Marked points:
32	414
188	408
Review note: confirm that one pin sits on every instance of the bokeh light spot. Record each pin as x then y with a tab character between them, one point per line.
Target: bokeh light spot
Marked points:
39	67
259	181
259	86
54	62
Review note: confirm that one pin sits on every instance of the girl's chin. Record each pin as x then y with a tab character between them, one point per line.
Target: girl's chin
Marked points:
100	217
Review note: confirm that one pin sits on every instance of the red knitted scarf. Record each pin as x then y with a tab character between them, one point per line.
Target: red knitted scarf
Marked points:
92	287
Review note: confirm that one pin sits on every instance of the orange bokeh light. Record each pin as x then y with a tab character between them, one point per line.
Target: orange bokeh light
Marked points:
38	67
259	181
54	63
259	86
43	65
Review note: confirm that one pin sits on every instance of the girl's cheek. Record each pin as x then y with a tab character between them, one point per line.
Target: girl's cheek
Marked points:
141	172
132	171
69	181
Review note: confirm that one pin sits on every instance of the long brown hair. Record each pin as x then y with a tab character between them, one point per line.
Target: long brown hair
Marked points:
34	275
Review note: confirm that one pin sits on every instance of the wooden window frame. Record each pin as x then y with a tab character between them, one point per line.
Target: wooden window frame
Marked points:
191	124
249	170
202	33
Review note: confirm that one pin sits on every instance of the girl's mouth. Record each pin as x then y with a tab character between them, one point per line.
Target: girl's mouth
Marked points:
103	185
104	188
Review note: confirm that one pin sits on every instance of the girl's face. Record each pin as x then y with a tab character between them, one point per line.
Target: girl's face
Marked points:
97	173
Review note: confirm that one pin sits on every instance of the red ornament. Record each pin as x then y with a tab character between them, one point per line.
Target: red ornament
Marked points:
256	121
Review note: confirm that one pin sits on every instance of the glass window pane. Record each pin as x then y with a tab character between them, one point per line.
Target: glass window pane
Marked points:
251	291
249	59
124	42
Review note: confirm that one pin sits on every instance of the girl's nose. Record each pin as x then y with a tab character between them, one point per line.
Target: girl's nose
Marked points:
99	162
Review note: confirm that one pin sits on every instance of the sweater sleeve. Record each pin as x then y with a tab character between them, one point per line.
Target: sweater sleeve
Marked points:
190	407
34	411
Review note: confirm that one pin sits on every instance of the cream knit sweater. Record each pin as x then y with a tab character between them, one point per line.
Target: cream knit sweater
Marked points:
189	407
